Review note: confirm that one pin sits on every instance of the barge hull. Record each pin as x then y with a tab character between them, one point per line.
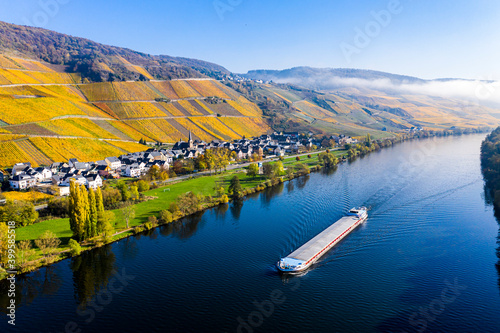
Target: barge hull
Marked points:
311	251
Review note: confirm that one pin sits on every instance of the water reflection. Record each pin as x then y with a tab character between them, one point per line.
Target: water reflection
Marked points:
220	211
488	198
302	181
45	281
188	226
91	272
235	208
271	192
128	248
497	215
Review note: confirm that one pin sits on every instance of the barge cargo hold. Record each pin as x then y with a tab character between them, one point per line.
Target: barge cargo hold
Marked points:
302	258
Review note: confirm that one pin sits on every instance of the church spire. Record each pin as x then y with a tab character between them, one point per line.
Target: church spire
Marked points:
190	140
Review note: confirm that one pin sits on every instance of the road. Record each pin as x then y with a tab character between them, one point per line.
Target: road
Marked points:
238	166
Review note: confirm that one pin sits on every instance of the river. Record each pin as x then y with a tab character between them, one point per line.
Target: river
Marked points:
425	261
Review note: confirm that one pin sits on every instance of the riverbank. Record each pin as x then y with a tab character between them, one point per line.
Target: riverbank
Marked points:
161	198
490	167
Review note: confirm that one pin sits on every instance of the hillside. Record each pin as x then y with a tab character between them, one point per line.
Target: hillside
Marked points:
48	115
319	78
97	62
358	111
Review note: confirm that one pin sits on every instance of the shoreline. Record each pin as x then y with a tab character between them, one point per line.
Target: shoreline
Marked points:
138	229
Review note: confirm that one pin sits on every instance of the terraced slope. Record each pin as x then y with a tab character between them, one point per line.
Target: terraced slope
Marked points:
48	116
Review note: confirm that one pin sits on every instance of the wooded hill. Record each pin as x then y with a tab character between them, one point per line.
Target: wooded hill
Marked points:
97	62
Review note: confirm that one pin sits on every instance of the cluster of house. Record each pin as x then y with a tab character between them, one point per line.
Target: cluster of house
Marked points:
58	176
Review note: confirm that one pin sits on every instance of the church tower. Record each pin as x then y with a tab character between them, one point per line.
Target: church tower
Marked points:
190	140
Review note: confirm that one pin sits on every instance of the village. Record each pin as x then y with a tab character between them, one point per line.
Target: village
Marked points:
56	178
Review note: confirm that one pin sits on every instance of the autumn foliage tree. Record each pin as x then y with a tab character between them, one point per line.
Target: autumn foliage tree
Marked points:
86	212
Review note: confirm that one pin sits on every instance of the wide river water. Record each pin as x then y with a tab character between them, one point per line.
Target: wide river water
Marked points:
426	260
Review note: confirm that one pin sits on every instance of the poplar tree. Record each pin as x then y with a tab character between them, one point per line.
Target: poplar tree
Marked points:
82	212
74	210
92	227
100	211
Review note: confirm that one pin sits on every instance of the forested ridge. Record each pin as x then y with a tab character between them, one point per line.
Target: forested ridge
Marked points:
98	62
490	165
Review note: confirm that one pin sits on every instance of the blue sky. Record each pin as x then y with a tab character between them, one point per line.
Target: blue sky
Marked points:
428	39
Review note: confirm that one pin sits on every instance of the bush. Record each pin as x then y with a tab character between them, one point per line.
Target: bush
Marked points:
166	216
297	158
138	229
75	248
142	185
58	207
224	199
309	156
153	220
173	208
148	225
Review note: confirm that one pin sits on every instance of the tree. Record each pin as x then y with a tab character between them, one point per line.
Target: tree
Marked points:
278	168
100	211
235	188
302	169
253	170
189	203
134	192
224	199
166	216
47	243
24	252
154	173
23	213
368	141
73	202
220	191
85	212
78	209
173	208
128	213
75	248
108	230
327	159
268	170
142	186
124	191
111	196
93	218
4	243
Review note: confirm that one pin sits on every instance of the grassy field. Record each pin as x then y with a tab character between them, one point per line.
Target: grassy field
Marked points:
163	197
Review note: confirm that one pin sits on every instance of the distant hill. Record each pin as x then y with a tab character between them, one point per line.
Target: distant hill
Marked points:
357	111
320	78
97	62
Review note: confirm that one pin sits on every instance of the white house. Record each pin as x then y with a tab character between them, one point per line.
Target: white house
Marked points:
20	168
133	170
94	181
45	173
114	163
63	191
21	182
80	180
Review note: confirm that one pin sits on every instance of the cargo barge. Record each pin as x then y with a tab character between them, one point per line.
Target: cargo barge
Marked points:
306	255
